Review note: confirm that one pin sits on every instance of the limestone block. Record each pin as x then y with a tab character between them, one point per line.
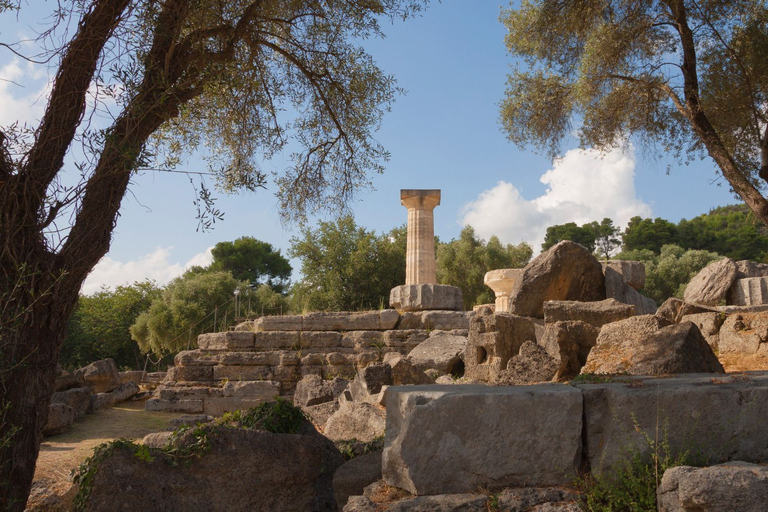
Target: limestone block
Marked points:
229	340
404	373
157	439
675	309
445	320
179	392
101	376
632	272
531	365
722	488
355	420
744	333
279	323
285	374
567	271
274	340
135	376
539	499
388	319
370	380
441	351
747	268
404	339
181	405
194	358
719	417
649	345
411	320
711	284
493	339
709	325
243	372
351	478
361	339
250	358
265	389
320	413
569	344
190	373
79	399
616	288
156	377
121	393
60	419
320	339
595	313
288	358
421	297
366	358
750	291
456	439
216	406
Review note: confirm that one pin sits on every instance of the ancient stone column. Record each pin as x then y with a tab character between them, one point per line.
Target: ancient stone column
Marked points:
420	252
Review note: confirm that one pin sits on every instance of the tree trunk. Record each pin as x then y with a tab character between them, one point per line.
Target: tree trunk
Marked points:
31	335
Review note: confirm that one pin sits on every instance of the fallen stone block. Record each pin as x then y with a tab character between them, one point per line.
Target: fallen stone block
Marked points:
441	351
493	339
190	373
121	393
649	345
744	333
530	366
709	325
102	376
596	313
60	419
79	399
249	372
616	288
632	272
567	271
569	344
136	376
312	390
722	488
421	297
714	416
355	420
445	320
263	389
750	291
370	380
710	286
675	309
355	475
456	439
190	405
190	420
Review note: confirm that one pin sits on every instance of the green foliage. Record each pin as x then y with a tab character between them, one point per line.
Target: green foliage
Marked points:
732	231
633	482
583	235
100	326
667	274
347	268
606	237
649	234
251	260
278	417
684	78
464	262
351	448
188	307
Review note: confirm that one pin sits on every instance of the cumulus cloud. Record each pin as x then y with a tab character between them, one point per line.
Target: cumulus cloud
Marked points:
156	266
583	186
23	93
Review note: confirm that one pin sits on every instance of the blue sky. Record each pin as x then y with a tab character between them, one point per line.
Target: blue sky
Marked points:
444	133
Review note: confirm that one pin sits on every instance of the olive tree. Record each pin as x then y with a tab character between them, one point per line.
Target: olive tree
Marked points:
686	77
240	76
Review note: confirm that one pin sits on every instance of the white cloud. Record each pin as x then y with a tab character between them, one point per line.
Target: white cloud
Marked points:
582	187
156	266
23	93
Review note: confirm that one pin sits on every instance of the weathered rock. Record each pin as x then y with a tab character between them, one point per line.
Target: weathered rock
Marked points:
717	417
369	381
455	439
284	472
567	271
441	503
355	420
524	499
649	345
228	340
136	376
405	373
711	284
493	339
531	365
121	393
102	375
320	413
616	288
187	405
421	297
263	389
723	488
49	495
190	420
445	320
157	439
60	419
569	344
709	325
747	268
355	475
595	313
66	380
744	333
675	309
441	351
79	399
312	390
750	291
632	272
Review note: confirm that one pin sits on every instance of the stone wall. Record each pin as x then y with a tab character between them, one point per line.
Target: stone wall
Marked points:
267	357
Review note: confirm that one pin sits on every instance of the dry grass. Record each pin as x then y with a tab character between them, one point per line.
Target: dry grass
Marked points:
741	363
60	454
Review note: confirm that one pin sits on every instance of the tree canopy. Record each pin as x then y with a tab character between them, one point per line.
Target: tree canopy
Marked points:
346	267
166	78
602	237
463	262
251	260
687	78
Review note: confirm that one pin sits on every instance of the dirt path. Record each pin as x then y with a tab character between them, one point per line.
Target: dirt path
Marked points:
60	454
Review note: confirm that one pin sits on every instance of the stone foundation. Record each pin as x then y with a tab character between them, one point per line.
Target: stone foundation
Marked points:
266	358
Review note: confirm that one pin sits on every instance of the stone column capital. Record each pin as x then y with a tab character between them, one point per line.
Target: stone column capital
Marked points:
419	198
